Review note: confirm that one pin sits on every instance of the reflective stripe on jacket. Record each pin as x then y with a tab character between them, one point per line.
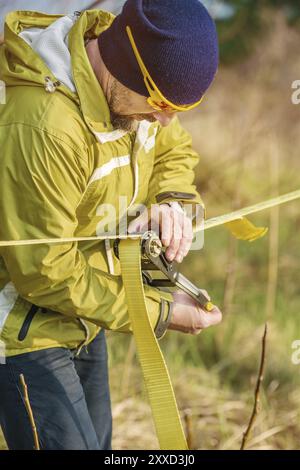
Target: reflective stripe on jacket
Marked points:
64	171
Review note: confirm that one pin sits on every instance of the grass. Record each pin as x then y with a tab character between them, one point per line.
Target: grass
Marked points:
248	135
219	413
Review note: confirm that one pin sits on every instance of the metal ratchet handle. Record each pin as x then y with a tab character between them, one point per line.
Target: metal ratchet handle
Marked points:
189	288
152	250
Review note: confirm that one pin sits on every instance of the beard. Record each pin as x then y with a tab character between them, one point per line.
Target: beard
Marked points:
124	122
128	123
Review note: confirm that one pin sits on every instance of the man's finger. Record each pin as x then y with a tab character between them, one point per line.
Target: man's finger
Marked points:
187	238
214	317
176	235
166	226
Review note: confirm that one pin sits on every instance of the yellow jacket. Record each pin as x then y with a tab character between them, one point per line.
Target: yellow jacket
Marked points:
60	161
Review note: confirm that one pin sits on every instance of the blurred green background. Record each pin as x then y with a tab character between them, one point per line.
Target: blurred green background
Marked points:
247	132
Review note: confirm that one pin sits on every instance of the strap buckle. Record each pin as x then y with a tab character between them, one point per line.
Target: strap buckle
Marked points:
153	259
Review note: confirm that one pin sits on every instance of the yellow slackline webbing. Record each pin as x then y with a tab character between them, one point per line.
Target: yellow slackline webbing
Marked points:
236	217
157	381
156	376
260	206
50	241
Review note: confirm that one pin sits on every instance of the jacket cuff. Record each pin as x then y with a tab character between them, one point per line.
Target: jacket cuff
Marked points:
189	203
175	196
154	298
165	316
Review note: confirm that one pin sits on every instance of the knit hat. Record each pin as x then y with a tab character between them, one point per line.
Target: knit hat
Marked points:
177	41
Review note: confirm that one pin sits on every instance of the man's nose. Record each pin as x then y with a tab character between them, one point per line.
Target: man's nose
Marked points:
163	117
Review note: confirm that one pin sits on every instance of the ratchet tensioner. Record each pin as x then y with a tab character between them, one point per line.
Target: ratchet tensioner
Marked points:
153	259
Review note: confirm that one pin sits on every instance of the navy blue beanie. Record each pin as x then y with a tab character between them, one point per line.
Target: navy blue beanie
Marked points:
177	41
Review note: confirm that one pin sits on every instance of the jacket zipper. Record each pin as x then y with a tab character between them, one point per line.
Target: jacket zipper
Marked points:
27	322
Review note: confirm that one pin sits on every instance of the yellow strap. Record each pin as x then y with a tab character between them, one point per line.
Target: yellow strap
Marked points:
157	381
260	206
53	241
156	376
243	229
210	223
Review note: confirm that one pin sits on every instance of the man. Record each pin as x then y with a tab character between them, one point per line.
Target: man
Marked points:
87	135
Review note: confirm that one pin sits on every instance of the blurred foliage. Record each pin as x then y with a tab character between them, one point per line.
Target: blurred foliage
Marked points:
240	32
247	133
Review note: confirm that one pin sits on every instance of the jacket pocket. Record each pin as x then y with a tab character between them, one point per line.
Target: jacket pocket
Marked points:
27	322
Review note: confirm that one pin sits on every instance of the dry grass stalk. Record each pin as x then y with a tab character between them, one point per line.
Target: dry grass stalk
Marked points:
256	407
274	231
187	417
230	280
232	265
29	411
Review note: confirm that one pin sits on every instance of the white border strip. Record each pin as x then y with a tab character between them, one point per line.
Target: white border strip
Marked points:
108	167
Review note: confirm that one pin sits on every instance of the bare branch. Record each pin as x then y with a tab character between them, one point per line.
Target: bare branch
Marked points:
187	417
256	407
29	411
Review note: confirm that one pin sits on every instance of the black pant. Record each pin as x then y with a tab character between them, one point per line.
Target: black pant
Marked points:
69	397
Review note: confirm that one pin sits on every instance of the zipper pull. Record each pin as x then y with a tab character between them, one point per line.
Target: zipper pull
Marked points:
51	86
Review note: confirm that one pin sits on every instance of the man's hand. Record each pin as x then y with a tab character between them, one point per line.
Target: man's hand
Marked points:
188	317
173	226
176	233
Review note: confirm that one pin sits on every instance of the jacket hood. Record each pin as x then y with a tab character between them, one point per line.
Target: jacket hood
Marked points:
20	65
51	44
